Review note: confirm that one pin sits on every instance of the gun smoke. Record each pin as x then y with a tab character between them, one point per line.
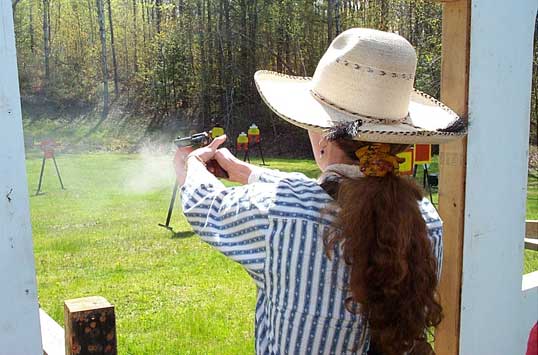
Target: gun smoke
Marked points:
153	170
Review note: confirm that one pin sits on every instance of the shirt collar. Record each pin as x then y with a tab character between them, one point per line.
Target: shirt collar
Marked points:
339	171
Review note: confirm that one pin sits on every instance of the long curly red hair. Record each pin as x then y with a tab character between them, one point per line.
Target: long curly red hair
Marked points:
393	271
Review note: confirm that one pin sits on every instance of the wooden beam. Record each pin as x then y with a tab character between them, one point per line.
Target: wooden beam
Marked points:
529	281
452	161
90	326
531	235
531	229
494	317
19	310
52	334
531	244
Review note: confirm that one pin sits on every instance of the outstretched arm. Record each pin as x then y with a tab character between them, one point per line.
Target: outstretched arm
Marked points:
234	220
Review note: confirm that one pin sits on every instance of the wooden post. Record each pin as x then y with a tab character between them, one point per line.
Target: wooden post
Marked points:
496	316
19	311
531	229
452	164
531	235
90	326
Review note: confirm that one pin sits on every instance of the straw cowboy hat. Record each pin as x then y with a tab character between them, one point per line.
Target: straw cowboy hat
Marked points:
362	89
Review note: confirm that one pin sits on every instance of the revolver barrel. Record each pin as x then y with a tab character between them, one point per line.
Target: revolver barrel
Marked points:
197	140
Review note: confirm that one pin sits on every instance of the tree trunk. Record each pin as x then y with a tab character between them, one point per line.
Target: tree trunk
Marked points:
535	78
92	28
143	24
384	18
330	22
31	27
203	60
135	37
209	56
14	7
46	40
57	25
113	47
337	24
125	47
158	15
102	35
149	18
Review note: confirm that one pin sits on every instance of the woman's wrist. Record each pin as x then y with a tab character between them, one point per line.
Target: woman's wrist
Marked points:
244	170
192	160
197	157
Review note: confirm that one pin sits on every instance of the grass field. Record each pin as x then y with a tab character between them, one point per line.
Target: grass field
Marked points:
173	294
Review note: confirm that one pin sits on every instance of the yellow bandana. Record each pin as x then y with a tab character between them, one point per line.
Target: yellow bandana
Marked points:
375	160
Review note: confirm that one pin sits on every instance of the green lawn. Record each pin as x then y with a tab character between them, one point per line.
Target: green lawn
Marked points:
173	294
531	257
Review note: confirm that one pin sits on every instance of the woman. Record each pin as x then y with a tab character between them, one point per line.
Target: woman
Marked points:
348	263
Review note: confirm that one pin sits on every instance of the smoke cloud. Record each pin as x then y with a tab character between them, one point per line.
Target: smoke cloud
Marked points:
153	171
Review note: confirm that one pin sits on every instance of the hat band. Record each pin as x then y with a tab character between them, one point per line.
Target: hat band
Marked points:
375	71
374	119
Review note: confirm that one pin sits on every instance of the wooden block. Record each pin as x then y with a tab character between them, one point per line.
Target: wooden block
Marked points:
90	326
531	244
531	229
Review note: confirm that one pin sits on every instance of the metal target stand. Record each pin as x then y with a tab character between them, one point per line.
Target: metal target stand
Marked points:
251	141
48	147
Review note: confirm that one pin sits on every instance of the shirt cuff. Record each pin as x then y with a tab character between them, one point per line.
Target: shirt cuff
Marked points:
197	174
256	174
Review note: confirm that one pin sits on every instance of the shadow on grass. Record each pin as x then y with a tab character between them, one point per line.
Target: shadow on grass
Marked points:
182	234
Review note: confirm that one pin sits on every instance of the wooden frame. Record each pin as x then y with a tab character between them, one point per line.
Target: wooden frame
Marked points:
531	235
500	72
452	165
19	320
485	74
488	306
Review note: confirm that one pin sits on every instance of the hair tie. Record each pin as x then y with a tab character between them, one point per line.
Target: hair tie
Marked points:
375	160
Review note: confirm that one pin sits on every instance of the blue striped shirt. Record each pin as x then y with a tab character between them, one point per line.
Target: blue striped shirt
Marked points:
274	227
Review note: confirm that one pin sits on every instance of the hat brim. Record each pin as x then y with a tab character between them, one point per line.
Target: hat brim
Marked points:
290	97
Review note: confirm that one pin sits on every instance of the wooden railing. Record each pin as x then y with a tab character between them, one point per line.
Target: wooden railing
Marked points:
52	335
531	235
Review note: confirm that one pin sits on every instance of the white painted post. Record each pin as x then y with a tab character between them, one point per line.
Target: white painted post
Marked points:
19	312
495	317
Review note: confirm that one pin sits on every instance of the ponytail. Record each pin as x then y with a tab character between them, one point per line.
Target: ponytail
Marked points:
392	267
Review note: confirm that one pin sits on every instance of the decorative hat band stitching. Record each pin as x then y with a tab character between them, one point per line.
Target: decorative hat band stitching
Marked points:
375	71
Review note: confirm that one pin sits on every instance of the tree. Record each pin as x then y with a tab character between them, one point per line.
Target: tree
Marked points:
14	6
46	40
113	47
102	35
194	60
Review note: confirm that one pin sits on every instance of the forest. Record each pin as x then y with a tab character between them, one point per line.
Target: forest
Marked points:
188	63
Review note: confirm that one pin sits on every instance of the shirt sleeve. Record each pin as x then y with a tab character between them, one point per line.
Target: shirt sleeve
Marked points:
233	220
260	174
434	225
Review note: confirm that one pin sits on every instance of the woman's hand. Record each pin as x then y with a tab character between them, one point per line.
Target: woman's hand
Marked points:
202	154
238	170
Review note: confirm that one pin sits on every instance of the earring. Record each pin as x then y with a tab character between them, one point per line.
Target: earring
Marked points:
321	152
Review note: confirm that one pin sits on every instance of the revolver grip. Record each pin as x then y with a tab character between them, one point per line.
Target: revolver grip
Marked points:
214	167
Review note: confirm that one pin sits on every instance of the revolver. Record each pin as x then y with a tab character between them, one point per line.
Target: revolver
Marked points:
199	140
